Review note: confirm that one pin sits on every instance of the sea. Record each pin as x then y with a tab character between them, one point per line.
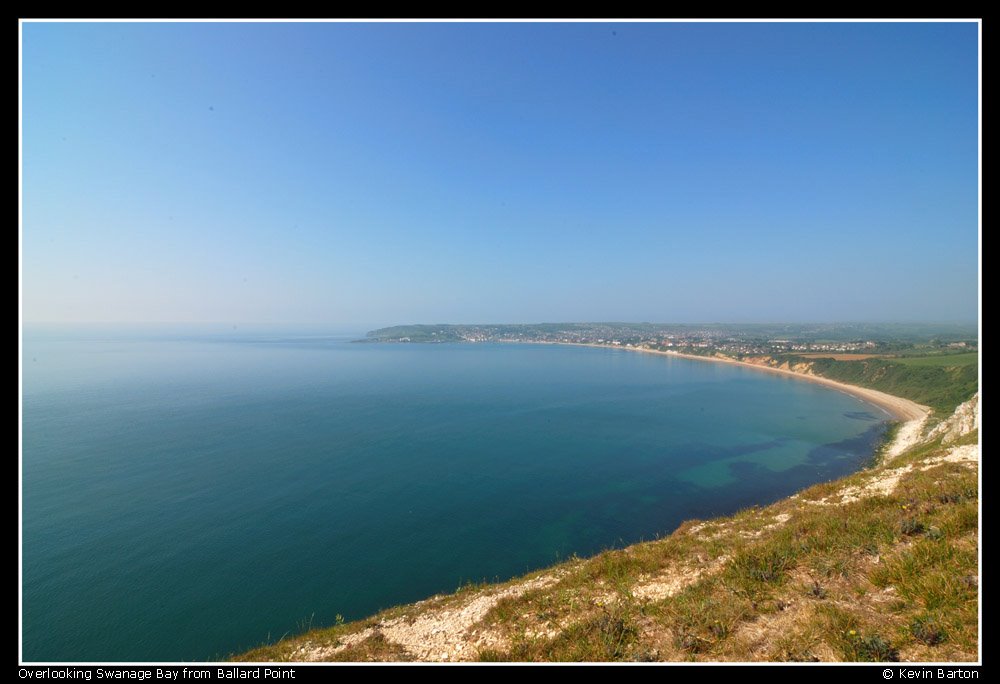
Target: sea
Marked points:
190	495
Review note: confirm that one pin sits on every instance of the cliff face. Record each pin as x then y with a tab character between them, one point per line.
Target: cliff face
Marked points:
879	566
961	423
802	367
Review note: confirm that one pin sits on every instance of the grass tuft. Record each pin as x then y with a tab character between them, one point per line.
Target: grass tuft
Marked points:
871	649
927	630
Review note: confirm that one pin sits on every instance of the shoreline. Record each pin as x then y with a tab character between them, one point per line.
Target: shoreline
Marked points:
911	416
898	408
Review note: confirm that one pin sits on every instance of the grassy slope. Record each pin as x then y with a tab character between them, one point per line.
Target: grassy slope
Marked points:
964	359
882	578
922	379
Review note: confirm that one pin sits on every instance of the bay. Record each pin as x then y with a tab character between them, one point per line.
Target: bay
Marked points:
188	496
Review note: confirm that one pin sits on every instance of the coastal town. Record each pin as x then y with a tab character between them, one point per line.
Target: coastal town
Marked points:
708	340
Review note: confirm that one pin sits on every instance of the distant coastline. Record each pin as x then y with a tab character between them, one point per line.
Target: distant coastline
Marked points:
909	372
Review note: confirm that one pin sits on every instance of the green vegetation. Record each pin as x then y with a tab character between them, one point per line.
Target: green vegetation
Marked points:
417	333
948	360
841	581
939	386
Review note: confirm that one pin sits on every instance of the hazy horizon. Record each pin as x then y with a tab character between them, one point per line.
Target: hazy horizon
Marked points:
352	176
221	329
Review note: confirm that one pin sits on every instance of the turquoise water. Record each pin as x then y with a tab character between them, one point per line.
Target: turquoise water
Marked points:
185	498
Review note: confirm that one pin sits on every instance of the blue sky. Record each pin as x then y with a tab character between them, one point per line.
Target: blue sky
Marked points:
357	175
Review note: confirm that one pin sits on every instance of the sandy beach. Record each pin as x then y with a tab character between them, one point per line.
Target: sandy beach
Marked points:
897	407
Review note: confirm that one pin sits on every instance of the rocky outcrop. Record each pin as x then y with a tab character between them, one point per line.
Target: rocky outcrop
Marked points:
964	420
